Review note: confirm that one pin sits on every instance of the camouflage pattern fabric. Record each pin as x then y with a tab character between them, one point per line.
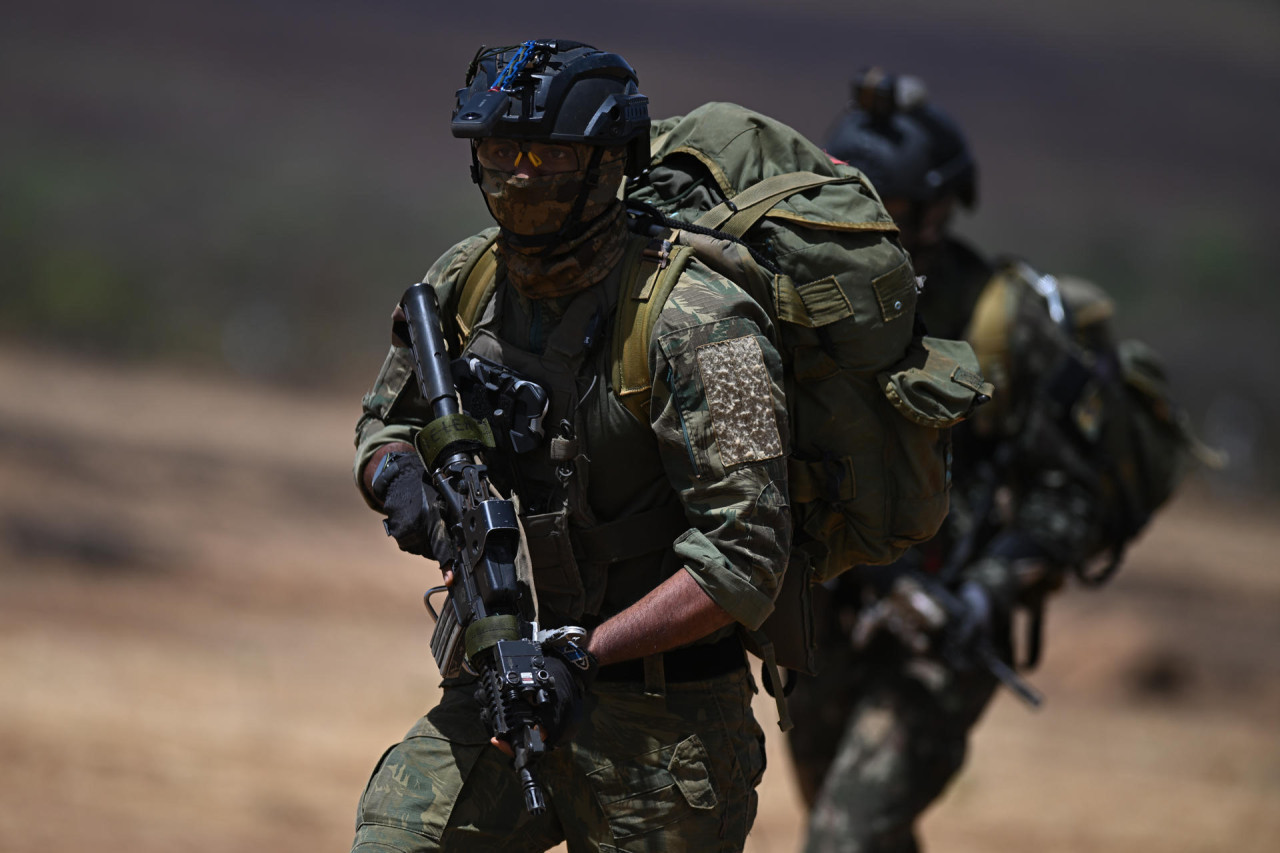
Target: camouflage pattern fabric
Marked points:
878	736
738	536
644	773
540	204
573	266
905	719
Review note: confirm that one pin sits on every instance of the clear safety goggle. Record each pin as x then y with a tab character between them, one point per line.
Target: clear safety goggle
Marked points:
506	155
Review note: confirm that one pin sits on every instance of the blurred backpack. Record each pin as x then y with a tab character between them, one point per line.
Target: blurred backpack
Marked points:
1103	409
870	400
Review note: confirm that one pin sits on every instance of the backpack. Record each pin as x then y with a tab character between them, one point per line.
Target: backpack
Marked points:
870	400
1102	407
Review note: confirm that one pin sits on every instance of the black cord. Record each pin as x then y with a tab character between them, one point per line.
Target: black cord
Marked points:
649	211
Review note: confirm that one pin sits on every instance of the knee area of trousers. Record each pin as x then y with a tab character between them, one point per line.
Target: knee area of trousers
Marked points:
372	838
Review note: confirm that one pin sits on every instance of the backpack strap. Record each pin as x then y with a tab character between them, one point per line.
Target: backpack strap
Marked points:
736	215
479	277
653	268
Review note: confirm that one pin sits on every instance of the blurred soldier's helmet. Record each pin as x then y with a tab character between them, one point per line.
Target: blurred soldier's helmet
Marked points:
909	148
571	114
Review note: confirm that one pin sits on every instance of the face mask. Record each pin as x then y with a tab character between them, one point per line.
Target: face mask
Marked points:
539	205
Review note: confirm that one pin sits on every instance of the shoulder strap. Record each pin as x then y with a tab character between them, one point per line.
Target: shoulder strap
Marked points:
654	275
479	280
736	215
652	271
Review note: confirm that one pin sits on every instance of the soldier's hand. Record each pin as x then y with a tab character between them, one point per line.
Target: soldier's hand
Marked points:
412	507
912	615
574	671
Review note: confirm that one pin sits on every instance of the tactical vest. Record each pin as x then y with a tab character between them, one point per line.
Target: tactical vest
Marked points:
598	512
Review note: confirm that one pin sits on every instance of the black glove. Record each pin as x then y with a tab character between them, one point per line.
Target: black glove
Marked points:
573	669
412	507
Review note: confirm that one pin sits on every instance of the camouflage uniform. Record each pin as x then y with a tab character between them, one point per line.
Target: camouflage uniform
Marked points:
659	763
906	718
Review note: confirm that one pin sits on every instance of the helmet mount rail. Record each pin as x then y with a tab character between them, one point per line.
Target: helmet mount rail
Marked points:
556	91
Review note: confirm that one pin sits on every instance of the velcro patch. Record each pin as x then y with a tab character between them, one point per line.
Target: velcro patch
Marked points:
967	378
740	400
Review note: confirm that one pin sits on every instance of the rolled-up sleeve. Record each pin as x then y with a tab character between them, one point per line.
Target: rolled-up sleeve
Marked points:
719	413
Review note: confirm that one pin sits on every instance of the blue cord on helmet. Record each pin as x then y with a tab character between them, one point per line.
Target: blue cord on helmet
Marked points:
514	67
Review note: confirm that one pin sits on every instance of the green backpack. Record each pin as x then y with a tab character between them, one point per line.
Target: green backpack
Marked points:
870	400
1104	407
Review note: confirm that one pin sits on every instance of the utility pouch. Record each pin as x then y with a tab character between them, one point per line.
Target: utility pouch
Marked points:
561	594
937	384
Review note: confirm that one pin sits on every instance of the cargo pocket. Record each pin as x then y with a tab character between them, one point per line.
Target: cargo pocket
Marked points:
656	789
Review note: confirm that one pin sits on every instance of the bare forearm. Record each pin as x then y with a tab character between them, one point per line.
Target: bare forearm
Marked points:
372	465
677	612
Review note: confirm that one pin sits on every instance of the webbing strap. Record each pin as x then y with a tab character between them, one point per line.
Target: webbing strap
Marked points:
641	302
485	633
736	216
655	675
433	438
477	287
788	304
771	671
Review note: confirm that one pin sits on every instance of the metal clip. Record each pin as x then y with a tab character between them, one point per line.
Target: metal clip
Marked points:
565	471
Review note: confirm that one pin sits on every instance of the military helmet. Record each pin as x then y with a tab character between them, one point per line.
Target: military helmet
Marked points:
905	145
555	91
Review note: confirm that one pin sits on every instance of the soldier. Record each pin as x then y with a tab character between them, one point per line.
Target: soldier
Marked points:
661	545
1052	478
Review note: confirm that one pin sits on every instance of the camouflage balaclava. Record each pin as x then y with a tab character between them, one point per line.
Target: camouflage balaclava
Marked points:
553	243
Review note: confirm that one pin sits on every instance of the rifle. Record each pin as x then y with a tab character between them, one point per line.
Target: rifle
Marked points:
935	607
486	624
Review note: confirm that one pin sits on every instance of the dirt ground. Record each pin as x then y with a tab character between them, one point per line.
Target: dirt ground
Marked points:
206	642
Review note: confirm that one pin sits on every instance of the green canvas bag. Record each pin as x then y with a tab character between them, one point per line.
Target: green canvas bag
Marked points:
869	399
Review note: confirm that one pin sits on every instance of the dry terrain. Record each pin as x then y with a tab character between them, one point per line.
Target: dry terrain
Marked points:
205	642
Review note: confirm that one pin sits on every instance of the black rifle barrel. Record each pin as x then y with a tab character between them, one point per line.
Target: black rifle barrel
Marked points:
430	353
487	539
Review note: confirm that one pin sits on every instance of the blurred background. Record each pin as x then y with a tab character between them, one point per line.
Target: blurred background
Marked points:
207	212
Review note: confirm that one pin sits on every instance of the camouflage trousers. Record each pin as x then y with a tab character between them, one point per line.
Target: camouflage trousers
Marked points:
903	726
644	773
